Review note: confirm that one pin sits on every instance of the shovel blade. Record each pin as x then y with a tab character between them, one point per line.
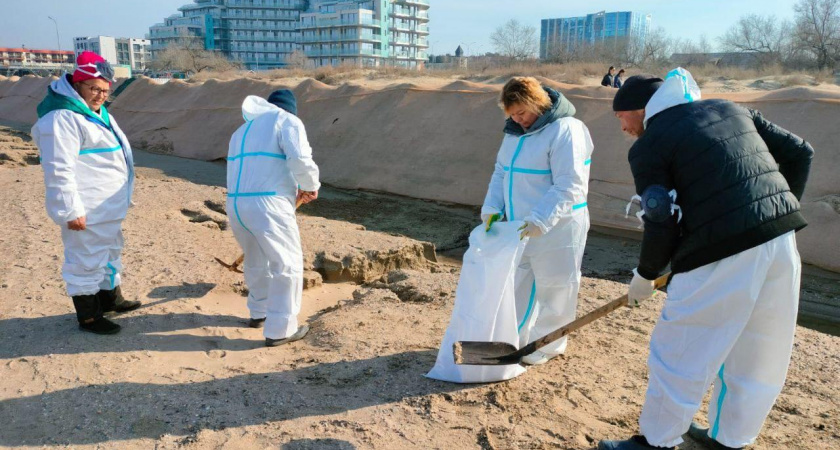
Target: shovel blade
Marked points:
473	353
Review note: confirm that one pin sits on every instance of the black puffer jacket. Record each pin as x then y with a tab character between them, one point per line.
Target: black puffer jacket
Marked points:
738	178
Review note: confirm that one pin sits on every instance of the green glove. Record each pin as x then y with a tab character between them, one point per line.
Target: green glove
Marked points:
491	220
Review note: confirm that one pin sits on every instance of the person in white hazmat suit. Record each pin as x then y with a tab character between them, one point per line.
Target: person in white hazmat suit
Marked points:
541	176
719	188
89	176
270	170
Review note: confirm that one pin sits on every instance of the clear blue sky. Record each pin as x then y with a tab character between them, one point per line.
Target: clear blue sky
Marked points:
25	22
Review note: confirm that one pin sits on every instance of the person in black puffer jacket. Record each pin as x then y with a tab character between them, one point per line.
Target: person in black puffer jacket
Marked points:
719	188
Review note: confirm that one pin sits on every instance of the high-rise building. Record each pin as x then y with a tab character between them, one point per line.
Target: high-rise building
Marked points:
263	34
566	34
366	33
129	52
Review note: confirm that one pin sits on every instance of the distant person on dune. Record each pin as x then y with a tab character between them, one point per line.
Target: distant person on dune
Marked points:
542	178
89	174
270	171
618	79
607	81
719	188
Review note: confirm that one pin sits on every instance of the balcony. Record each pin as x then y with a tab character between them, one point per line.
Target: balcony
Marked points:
268	4
409	56
342	52
409	28
229	15
343	38
273	27
252	49
412	2
172	35
328	23
235	39
405	13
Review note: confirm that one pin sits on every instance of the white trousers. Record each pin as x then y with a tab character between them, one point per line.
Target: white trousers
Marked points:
267	231
548	281
92	258
732	323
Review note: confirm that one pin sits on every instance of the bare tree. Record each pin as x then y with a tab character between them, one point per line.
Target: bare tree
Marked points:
515	40
703	44
693	53
818	30
188	55
655	51
763	35
297	59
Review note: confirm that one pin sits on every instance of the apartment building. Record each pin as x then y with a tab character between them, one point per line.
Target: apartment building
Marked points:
566	34
129	52
366	33
25	58
263	34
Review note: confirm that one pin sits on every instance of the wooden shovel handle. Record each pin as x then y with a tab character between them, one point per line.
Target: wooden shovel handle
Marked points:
593	316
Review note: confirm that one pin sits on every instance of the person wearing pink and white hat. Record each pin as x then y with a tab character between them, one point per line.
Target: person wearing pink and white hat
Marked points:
89	176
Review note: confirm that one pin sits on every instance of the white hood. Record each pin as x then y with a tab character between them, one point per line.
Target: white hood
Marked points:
254	107
679	88
63	87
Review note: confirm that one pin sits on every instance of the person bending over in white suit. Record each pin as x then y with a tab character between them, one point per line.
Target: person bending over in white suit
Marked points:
541	177
720	189
89	176
270	170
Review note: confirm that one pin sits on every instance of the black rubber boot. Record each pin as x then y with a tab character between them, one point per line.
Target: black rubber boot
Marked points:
113	301
89	314
701	435
637	442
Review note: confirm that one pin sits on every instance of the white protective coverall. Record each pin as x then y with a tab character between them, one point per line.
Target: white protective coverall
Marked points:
543	178
269	157
730	322
88	171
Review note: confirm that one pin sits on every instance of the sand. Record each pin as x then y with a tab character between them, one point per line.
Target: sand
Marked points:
185	372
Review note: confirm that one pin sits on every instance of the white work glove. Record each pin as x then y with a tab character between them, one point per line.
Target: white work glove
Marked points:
640	290
489	219
529	230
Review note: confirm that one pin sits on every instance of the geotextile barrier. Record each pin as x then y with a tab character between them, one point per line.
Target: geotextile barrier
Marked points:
438	141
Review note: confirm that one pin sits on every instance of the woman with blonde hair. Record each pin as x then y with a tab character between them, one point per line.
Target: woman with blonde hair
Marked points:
542	179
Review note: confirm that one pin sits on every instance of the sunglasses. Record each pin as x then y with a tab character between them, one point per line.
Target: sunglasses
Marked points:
101	69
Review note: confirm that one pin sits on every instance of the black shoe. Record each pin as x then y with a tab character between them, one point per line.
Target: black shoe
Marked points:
113	301
701	435
299	334
634	443
89	314
100	326
256	323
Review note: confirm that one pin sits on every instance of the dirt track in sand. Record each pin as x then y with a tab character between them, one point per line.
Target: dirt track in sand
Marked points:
184	373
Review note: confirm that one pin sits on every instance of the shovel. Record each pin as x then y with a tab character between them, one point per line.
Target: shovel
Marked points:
234	266
475	353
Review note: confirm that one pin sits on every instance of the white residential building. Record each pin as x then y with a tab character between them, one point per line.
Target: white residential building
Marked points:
130	52
366	32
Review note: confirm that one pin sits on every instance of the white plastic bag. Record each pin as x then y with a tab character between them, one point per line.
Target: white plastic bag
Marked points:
485	306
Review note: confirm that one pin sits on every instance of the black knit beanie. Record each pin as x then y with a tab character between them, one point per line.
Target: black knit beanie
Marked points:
284	98
636	92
